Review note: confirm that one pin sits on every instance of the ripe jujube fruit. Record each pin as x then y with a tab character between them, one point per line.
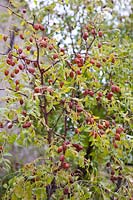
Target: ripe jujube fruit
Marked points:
60	149
66	190
78	72
98	64
79	109
99	45
31	70
9	125
115	88
119	130
85	35
27	124
100	94
51	47
117	136
62	157
107	124
61	84
71	74
21	67
16	71
21	36
100	33
100	126
41	27
93	32
77	131
17	82
55	56
20	51
43	44
28	48
66	165
21	101
36	27
92	61
31	39
91	93
1	125
109	95
5	37
6	72
12	75
37	90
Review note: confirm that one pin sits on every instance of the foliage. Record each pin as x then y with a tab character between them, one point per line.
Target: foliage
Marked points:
73	101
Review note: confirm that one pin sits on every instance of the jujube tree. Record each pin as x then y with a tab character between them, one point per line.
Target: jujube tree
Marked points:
70	102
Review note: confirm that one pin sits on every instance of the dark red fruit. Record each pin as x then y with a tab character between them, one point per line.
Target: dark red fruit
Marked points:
24	11
79	109
28	48
20	50
55	56
16	71
24	113
76	130
100	33
117	136
43	44
61	84
91	93
119	130
85	35
78	72
17	82
60	149
66	190
100	126
12	75
92	61
107	124
93	32
6	72
1	125
62	157
21	36
115	145
71	74
98	64
66	165
21	101
31	39
99	45
86	92
1	149
36	26
109	95
37	90
51	47
31	70
10	125
21	67
100	94
26	125
41	27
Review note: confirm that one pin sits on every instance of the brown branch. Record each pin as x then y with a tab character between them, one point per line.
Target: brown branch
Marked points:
65	126
88	47
18	92
20	16
51	66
